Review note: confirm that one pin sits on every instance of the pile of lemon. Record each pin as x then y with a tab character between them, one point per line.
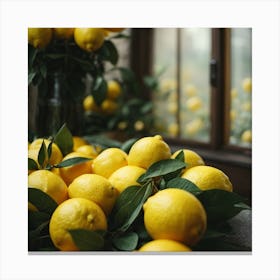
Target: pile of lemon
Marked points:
86	192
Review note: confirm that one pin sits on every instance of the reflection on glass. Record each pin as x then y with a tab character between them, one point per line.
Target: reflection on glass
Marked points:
182	111
241	87
195	88
165	99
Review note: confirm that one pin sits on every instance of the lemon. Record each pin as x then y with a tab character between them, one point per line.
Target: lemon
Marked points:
191	158
175	214
126	176
233	93
78	141
95	188
172	108
208	177
69	173
88	151
147	151
109	106
247	106
194	103
89	104
63	33
74	213
164	245
247	136
194	126
173	129
191	90
139	125
39	37
89	39
49	183
114	89
247	85
34	148
108	161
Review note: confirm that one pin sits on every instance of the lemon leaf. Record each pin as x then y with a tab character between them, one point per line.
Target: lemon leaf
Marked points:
181	156
161	168
42	201
130	210
64	140
72	161
87	240
109	52
99	90
128	144
184	184
221	205
126	242
32	164
42	154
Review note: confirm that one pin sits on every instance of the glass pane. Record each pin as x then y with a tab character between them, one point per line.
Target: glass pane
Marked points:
241	87
195	87
165	99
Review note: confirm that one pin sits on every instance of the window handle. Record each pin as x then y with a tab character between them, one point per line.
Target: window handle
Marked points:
213	73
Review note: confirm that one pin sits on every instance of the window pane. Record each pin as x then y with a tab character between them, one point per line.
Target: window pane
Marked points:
241	87
165	99
195	87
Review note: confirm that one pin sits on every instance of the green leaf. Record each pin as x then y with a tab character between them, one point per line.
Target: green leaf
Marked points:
109	52
184	184
72	161
43	70
99	90
151	82
36	218
161	168
31	76
126	242
128	144
32	164
129	211
64	140
127	74
42	201
87	240
181	156
42	155
221	205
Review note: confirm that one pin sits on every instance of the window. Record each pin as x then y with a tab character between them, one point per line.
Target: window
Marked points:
203	101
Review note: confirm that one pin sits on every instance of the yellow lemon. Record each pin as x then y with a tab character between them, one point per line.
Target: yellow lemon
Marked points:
88	150
34	148
247	136
164	245
49	183
191	158
173	129
89	39
247	106
114	89
194	103
109	106
63	33
39	37
95	188
74	213
90	105
191	90
175	214
233	93
69	173
78	141
208	177
247	85
108	161
139	125
147	151
194	126
126	176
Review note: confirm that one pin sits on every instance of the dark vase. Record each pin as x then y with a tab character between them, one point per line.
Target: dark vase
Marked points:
55	106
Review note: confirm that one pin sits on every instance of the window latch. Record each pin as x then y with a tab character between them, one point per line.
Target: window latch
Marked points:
213	73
